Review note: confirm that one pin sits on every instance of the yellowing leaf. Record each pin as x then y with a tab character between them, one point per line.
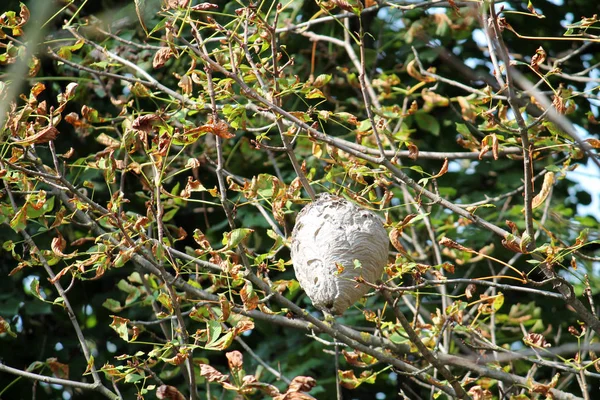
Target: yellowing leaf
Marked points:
120	326
315	94
235	237
546	188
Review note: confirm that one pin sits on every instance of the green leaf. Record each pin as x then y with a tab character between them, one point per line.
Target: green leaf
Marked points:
427	123
8	245
463	130
170	214
553	168
364	126
165	300
214	331
34	287
112	305
65	51
133	378
235	237
35	212
223	343
555	130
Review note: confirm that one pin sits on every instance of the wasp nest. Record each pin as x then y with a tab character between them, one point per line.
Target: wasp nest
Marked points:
330	236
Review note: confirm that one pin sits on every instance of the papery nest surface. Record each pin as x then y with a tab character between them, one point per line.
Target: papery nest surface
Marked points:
335	241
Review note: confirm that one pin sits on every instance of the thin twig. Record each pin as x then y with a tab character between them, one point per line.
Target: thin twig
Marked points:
95	387
416	340
527	148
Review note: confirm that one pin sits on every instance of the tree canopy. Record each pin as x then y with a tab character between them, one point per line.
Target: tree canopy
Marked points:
155	155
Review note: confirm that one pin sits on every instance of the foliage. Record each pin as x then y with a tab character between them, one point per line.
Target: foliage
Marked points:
154	156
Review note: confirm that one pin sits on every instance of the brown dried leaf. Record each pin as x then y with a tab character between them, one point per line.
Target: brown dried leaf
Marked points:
407	219
294	396
58	245
70	90
302	384
414	107
559	103
200	238
495	146
448	267
345	5
353	359
220	128
479	393
513	227
161	56
204	7
91	114
447	242
60	274
108	141
225	307
19	267
595	143
544	390
538	58
502	24
42	136
411	69
511	244
536	340
243	326
186	84
470	291
73	119
37	89
192	163
486	146
24	14
348	379
169	393
145	122
443	170
413	151
574	331
164	143
483	151
433	99
438	275
212	375
5	327
249	297
466	109
169	4
395	235
58	369
191	186
235	360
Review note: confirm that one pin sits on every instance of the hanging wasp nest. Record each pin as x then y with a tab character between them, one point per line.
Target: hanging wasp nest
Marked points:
332	232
